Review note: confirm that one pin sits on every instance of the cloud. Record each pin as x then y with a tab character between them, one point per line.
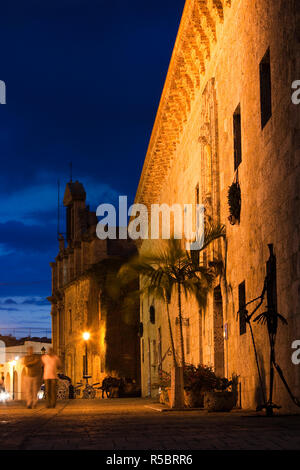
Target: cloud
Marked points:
24	300
26	274
16	236
10	302
37	204
34	198
28	312
9	309
36	301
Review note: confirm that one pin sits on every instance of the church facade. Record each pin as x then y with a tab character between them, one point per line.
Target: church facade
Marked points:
226	120
78	303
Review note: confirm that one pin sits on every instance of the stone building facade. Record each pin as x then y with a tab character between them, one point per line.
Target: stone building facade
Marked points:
226	114
78	304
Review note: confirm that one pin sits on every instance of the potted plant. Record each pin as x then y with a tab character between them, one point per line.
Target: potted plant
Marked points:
197	380
220	398
234	202
203	388
164	389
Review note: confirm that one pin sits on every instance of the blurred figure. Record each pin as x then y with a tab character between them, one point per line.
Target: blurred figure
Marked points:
51	364
33	365
2	386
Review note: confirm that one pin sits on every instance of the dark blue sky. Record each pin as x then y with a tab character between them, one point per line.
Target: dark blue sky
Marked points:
83	79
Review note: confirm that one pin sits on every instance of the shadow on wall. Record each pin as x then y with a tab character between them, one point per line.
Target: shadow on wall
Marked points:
122	345
259	398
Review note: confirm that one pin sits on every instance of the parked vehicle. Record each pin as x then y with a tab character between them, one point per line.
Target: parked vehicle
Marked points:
89	390
115	387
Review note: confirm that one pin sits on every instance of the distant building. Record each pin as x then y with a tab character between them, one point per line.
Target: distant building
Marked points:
78	303
12	351
226	116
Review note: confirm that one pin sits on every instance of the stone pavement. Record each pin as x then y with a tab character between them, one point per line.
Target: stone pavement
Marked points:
130	424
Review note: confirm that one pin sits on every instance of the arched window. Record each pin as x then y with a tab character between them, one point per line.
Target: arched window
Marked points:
23	384
7	382
16	386
70	321
152	314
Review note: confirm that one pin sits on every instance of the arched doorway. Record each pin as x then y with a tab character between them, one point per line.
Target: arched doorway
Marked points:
7	382
68	369
70	364
16	386
23	384
218	332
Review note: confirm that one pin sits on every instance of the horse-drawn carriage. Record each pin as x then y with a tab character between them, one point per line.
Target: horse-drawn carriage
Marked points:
112	387
115	387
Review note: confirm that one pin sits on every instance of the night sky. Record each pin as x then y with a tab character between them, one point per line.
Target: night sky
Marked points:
83	80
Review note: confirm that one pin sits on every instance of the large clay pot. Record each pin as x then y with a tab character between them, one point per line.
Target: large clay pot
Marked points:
193	399
164	395
219	401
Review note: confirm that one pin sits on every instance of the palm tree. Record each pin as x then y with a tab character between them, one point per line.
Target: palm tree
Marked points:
155	283
171	268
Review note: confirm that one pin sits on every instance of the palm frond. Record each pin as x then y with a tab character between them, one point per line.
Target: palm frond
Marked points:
212	232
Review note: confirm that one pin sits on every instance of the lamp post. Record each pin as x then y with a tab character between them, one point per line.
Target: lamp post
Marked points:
43	350
86	336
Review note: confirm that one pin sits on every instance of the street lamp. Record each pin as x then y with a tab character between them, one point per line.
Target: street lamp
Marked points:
86	336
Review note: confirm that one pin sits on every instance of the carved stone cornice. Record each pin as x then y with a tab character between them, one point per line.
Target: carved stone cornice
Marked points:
204	134
196	39
56	297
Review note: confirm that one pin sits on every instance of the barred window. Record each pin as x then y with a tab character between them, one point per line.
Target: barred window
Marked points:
242	302
265	89
152	314
237	137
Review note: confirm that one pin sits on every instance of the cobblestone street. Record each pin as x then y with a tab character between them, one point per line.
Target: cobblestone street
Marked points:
134	424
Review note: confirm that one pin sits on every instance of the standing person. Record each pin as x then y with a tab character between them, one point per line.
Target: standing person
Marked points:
51	364
32	379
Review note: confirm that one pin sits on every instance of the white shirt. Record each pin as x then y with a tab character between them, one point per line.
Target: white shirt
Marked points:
51	363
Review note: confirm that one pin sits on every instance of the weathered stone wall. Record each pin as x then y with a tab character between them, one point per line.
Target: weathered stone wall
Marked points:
78	305
82	313
113	345
268	175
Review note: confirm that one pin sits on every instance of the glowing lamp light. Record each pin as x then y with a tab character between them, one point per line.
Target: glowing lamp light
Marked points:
13	363
86	336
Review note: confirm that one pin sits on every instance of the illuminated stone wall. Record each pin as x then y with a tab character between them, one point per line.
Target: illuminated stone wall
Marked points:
214	67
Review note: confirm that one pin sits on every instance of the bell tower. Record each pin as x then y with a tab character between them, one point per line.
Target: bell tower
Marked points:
74	201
